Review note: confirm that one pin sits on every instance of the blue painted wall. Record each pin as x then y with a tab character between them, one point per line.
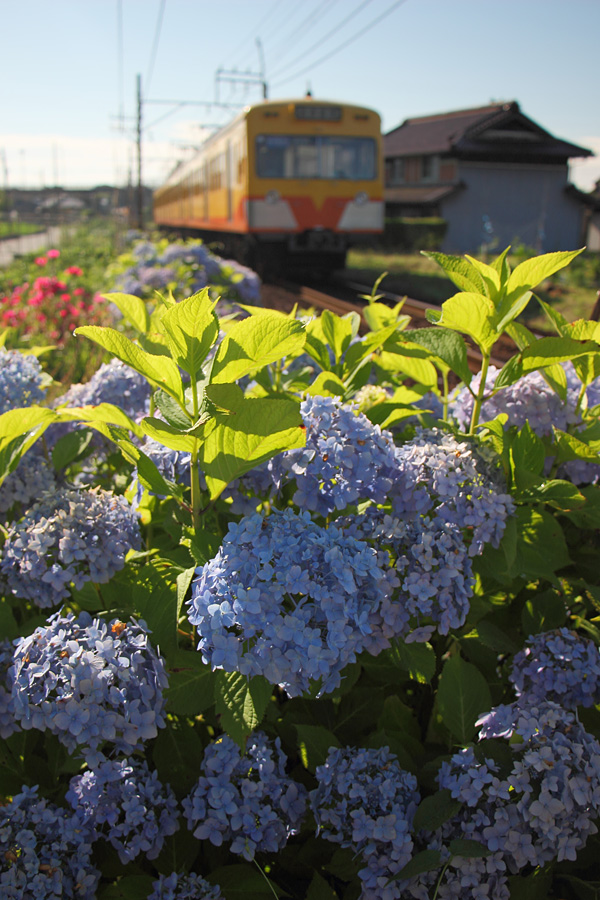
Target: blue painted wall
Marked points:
501	204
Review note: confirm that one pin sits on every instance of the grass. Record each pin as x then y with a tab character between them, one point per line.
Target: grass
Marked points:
573	291
15	229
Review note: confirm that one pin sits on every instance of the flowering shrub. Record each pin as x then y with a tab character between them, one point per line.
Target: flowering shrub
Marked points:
45	851
21	380
51	306
103	682
286	599
187	266
366	802
123	802
289	596
67	537
247	799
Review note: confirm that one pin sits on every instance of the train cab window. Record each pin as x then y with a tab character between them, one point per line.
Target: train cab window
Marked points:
323	156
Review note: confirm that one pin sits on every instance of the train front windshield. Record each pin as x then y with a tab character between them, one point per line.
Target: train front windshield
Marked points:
322	156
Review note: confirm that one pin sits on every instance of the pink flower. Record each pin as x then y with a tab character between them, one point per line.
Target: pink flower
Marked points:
78	292
73	270
53	254
41	261
65	297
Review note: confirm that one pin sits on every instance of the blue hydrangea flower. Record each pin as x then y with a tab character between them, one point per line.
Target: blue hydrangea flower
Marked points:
90	682
544	807
244	281
123	802
8	723
144	251
156	277
115	383
464	488
346	459
430	573
178	886
532	400
67	537
21	380
32	477
287	599
538	809
559	665
45	851
246	799
365	801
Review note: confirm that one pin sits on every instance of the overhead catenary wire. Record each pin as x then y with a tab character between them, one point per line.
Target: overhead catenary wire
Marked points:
342	46
157	32
325	37
291	39
256	31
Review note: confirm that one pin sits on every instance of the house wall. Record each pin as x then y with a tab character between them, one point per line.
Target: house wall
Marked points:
504	203
593	233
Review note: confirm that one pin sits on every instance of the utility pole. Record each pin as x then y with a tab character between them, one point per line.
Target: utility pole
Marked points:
140	188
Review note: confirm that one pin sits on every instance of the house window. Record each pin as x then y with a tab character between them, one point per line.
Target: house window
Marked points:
395	171
429	168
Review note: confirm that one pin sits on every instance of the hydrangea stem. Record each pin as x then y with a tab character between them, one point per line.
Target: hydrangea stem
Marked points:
485	364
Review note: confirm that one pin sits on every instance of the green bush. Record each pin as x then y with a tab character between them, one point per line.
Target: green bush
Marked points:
412	235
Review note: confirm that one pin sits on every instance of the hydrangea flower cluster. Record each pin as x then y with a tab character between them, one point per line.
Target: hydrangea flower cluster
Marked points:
431	567
173	465
123	802
286	599
21	380
45	852
346	459
115	383
69	536
559	665
8	724
32	477
544	807
365	801
189	264
246	799
184	887
464	489
531	399
90	682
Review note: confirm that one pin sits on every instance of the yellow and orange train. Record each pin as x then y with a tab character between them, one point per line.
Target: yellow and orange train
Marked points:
287	184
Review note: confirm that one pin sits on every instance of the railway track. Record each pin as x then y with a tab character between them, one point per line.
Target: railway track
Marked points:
345	298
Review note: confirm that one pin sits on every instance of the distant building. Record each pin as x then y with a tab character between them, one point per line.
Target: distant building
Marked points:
492	173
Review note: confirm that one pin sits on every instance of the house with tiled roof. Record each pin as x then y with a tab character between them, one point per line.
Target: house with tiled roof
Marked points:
492	173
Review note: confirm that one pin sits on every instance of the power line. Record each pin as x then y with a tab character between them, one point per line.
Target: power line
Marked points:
309	22
326	37
155	44
243	44
347	43
288	17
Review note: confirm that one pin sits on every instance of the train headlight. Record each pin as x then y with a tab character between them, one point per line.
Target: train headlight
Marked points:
361	198
272	197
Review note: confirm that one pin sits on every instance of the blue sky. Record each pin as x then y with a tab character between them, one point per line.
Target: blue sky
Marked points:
70	66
